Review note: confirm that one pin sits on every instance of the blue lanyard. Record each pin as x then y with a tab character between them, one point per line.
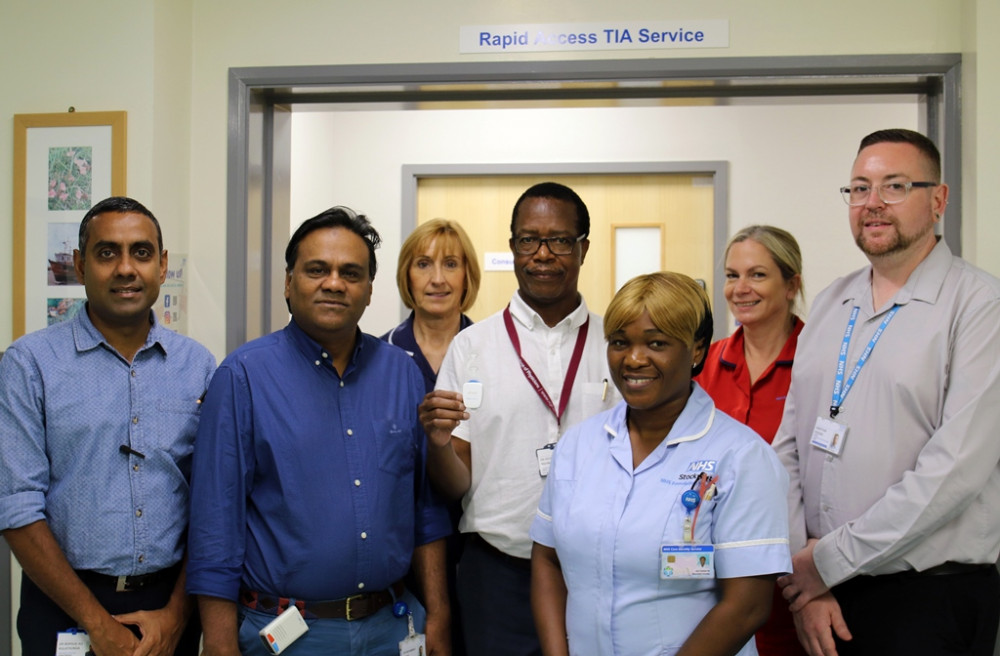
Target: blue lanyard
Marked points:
840	389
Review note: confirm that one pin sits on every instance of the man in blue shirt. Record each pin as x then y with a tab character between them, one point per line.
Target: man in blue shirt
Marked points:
308	484
97	422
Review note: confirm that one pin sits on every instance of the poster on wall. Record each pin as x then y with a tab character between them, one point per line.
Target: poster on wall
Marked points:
171	306
63	164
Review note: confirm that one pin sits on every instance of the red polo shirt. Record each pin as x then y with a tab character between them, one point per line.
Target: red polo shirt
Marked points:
727	381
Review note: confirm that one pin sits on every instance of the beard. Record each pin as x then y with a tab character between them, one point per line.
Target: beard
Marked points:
897	242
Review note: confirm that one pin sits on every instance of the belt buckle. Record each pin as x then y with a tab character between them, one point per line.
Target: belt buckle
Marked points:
121	584
347	607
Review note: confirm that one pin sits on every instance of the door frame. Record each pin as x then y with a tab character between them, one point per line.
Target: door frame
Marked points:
261	100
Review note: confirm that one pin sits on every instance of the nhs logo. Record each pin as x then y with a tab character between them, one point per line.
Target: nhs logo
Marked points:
698	466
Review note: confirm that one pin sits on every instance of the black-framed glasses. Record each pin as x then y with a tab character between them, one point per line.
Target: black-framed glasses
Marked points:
529	244
889	192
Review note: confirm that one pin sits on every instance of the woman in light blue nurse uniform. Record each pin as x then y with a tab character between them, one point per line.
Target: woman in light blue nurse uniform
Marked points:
663	523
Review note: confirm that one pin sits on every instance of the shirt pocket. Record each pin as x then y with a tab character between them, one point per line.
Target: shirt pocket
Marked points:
176	425
396	448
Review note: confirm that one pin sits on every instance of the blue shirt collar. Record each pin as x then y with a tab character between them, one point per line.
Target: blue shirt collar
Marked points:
312	350
87	337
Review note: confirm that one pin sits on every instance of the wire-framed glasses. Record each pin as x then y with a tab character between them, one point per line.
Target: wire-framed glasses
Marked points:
889	192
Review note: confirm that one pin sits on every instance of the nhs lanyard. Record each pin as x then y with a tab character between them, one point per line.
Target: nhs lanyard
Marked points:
840	388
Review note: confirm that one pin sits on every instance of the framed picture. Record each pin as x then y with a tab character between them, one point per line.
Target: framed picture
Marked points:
63	164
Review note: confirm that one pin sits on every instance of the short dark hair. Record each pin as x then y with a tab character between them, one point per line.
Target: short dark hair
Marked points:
559	192
915	139
116	205
336	217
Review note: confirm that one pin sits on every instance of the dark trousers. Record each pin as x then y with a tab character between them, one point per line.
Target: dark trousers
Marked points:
39	619
494	593
910	613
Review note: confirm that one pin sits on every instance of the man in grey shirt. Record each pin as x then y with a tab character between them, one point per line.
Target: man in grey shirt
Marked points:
890	429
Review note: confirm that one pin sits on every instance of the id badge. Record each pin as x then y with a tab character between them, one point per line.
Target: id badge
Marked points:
544	456
74	642
828	435
687	561
414	644
283	630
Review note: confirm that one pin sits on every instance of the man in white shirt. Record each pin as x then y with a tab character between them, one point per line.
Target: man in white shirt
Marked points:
539	366
890	430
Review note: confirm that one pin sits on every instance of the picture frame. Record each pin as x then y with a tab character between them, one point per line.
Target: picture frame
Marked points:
63	164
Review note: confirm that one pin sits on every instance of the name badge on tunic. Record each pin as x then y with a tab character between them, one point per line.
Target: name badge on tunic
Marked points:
544	456
687	561
828	435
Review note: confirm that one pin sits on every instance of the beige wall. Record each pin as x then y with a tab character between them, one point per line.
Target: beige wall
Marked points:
166	62
981	133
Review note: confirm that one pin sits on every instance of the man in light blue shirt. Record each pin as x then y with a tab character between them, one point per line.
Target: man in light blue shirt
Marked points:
97	422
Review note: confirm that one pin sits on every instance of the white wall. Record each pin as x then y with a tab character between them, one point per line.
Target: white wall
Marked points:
783	170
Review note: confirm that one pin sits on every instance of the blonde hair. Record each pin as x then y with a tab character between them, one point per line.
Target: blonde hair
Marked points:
783	248
677	306
451	234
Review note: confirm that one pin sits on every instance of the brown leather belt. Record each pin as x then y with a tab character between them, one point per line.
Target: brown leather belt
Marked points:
355	607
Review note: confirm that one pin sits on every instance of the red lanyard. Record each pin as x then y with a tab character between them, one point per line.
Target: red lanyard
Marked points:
574	364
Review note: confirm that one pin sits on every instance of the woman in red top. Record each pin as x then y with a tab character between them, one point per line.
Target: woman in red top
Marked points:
748	373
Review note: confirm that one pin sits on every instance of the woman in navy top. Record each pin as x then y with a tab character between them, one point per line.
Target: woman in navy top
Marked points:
438	277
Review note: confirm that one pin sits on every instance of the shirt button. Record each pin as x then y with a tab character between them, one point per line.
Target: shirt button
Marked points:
361	586
135	420
133	373
317	363
138	512
135	467
325	355
141	558
350	432
341	383
364	535
357	482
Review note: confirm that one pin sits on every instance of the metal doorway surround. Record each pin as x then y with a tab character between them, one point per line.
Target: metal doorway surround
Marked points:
260	100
